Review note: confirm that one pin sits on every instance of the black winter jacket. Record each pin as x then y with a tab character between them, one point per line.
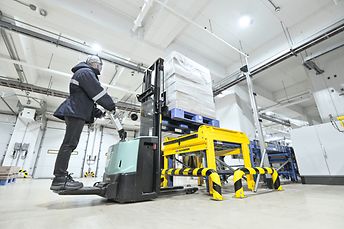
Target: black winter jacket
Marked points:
85	91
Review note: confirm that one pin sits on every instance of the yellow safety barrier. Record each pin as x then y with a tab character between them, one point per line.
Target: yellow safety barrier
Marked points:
238	175
24	172
89	174
214	179
204	141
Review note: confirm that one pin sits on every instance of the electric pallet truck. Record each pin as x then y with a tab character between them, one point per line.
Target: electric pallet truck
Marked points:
133	167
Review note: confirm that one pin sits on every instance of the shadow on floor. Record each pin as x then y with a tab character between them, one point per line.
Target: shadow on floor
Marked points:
78	203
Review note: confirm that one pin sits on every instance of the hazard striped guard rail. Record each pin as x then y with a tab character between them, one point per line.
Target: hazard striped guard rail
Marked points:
238	175
24	172
214	179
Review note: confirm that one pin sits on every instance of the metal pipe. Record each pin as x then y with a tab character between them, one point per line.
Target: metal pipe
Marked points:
67	75
295	99
286	104
295	96
324	51
39	151
145	8
277	8
282	165
86	49
115	80
225	164
252	94
31	97
278	132
199	27
114	75
31	6
325	34
275	120
13	55
94	140
11	83
6	112
99	149
9	107
85	154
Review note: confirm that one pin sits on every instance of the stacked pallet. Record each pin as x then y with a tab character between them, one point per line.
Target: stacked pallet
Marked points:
188	86
8	174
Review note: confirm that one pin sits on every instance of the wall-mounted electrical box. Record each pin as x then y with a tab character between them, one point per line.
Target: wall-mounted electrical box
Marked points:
28	114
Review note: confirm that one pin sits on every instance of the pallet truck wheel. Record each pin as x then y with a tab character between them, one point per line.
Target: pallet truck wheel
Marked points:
191	190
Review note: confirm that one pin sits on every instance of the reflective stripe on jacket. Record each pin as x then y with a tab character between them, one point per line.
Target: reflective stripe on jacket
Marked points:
84	91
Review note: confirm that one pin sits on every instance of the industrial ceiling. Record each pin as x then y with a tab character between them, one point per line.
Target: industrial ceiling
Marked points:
265	30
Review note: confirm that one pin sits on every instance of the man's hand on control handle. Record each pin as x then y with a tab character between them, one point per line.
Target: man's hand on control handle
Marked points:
122	134
99	113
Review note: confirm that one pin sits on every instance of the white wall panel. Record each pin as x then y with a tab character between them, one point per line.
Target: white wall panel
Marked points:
308	151
327	86
26	131
52	140
7	124
333	144
31	137
319	150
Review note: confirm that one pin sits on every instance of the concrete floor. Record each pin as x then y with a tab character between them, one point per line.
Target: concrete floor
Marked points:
30	204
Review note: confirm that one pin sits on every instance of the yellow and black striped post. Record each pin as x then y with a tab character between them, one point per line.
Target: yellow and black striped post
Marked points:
24	172
238	174
214	179
89	174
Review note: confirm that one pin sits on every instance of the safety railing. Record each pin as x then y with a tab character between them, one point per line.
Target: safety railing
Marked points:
238	175
214	179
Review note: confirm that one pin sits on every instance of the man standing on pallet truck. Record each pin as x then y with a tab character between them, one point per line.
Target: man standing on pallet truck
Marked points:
79	108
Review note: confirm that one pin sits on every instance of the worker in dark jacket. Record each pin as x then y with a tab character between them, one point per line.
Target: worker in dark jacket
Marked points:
79	108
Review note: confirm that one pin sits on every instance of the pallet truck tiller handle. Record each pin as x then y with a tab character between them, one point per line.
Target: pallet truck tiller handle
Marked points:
121	132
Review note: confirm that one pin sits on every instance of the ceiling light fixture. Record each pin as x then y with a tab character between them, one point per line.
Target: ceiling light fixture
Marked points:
245	21
96	48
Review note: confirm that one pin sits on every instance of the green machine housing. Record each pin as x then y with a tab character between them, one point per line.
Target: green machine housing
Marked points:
132	171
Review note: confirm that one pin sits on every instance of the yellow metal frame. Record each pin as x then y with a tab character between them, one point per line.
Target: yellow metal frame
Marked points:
341	120
203	140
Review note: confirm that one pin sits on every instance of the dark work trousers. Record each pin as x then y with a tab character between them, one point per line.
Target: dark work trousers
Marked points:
74	128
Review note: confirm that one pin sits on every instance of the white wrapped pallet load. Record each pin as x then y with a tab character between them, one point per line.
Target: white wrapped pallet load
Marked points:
188	86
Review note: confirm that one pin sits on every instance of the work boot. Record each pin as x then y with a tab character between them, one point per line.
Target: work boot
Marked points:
65	183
